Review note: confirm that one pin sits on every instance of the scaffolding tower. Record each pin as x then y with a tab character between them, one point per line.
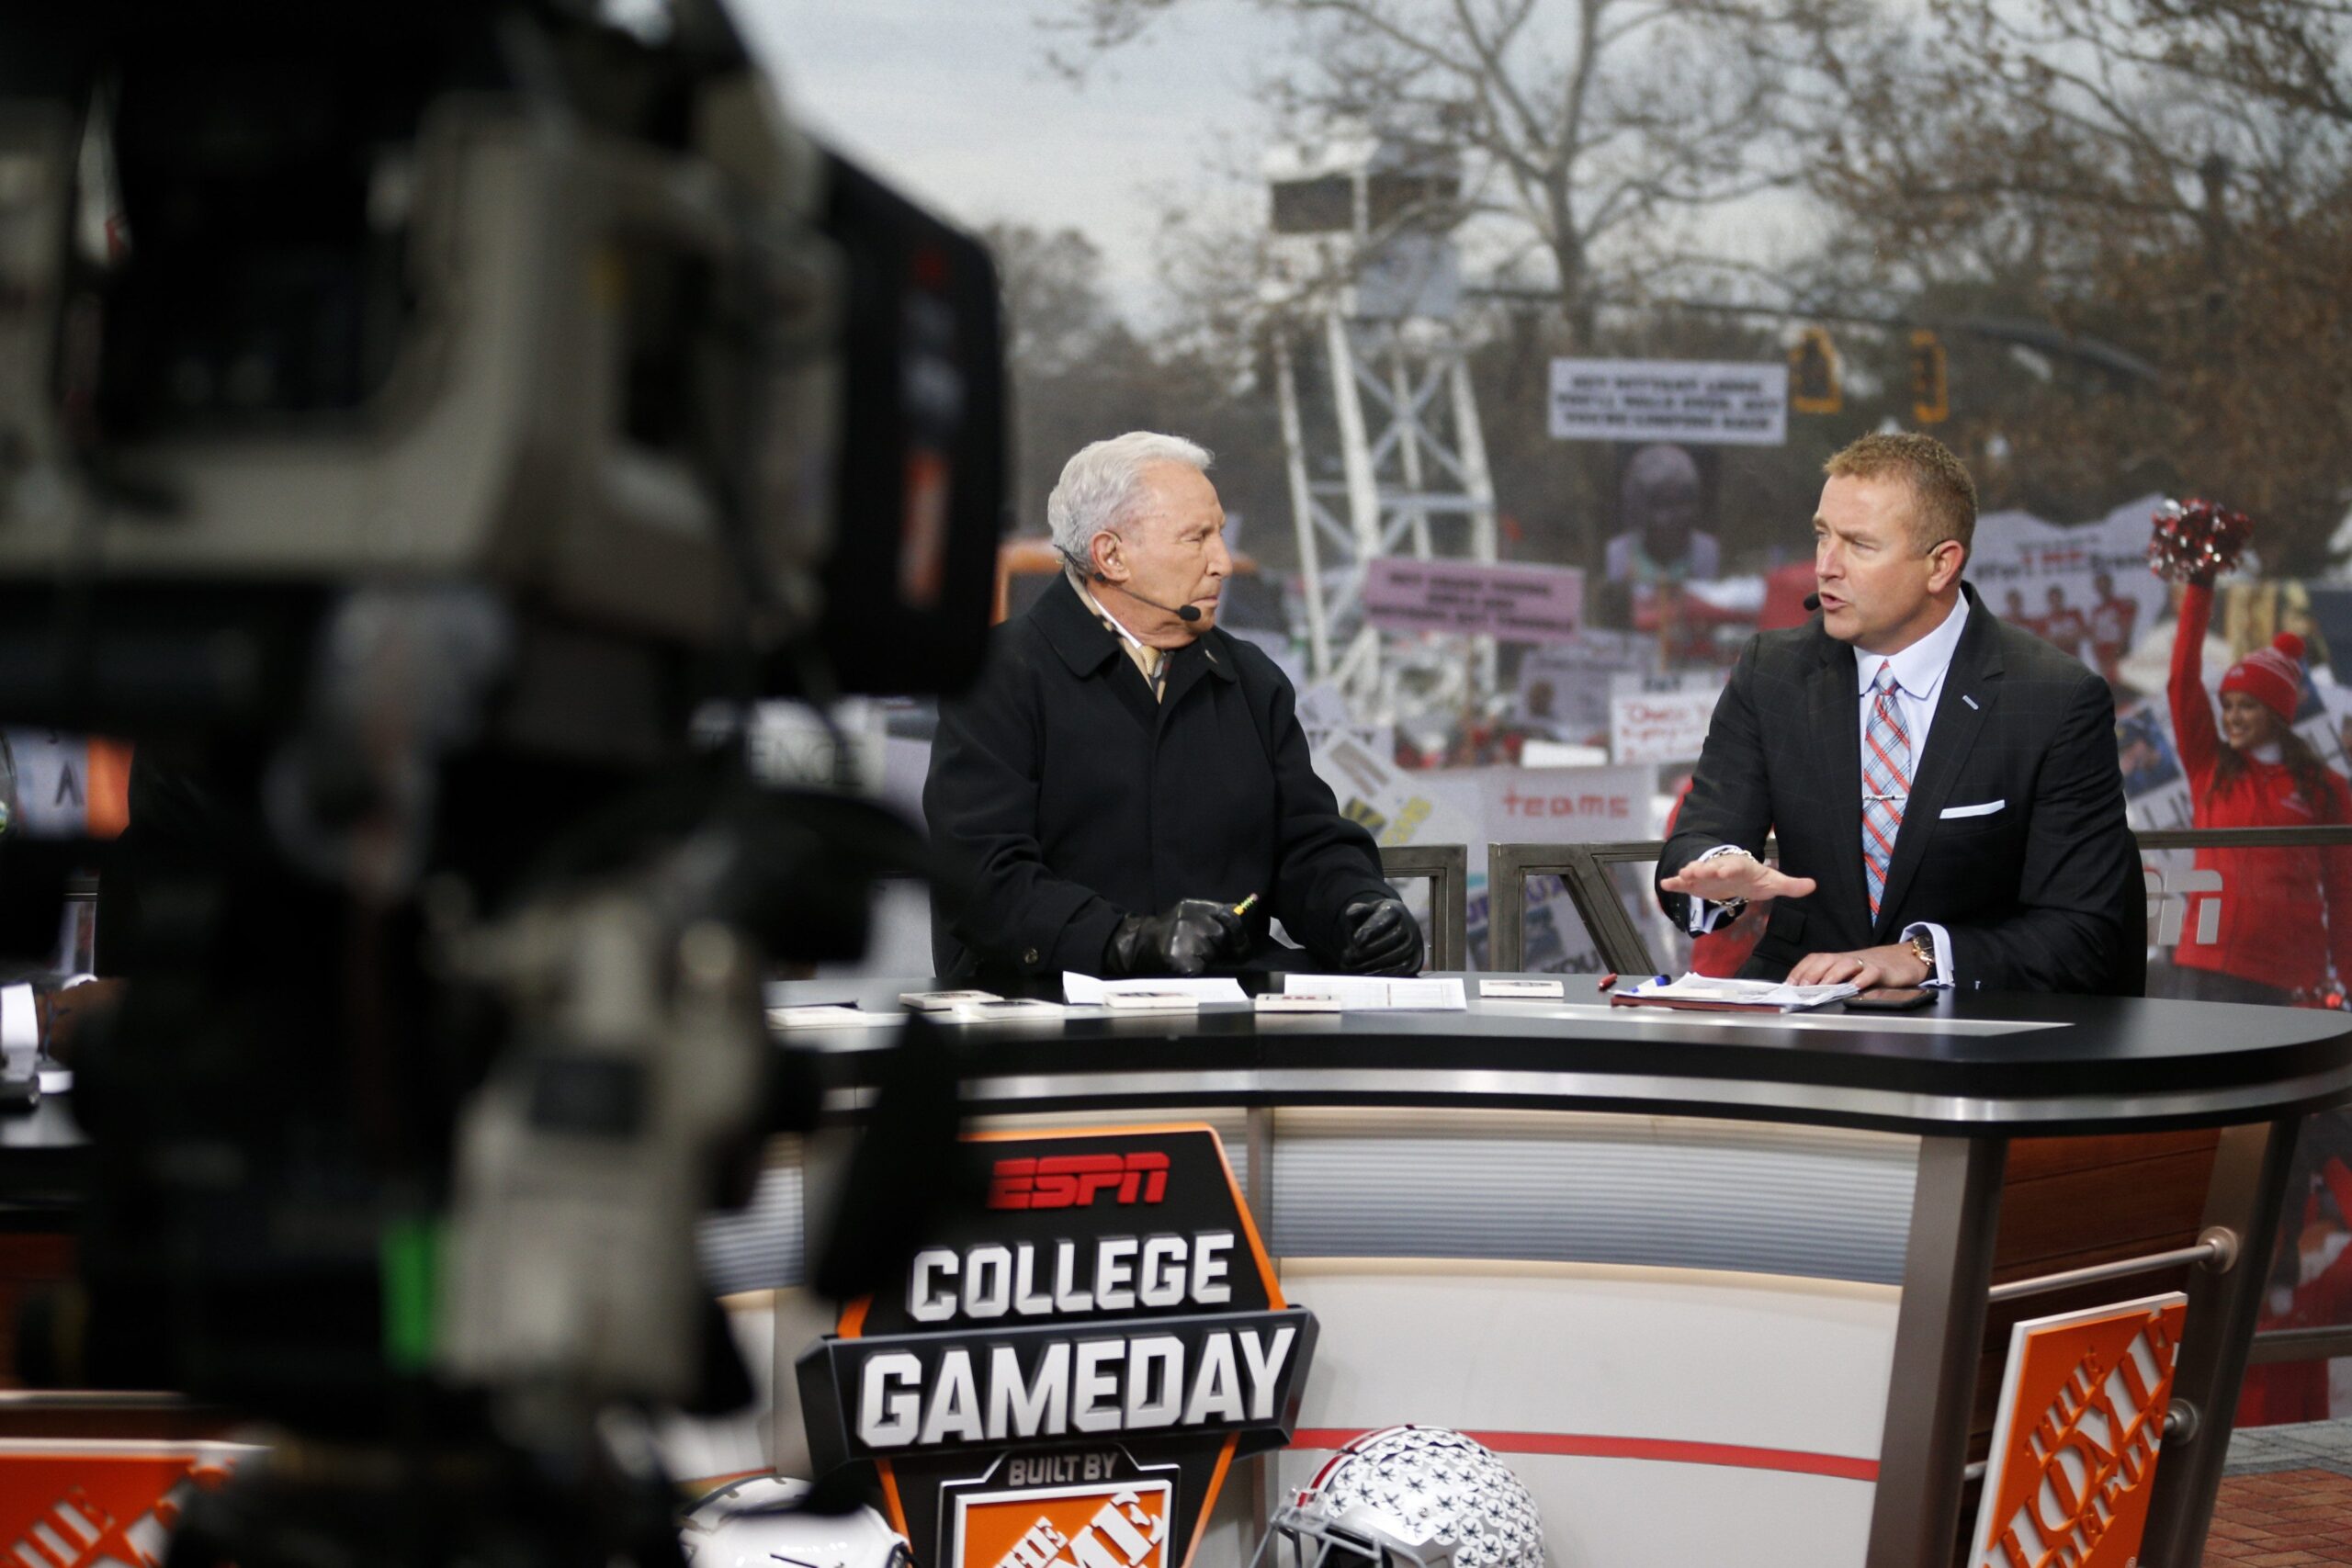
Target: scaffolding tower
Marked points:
1365	283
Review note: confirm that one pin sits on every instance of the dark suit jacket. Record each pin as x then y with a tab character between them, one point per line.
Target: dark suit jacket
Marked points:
1073	800
2042	894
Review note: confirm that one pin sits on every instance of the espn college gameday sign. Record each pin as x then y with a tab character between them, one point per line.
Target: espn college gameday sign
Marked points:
1068	1381
2077	1436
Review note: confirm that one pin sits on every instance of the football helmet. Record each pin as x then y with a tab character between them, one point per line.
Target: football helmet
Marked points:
759	1522
1407	1497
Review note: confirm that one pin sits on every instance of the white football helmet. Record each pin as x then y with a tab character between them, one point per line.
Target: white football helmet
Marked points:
1408	1498
759	1522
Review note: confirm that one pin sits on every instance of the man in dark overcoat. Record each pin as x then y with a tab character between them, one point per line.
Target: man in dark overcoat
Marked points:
1126	786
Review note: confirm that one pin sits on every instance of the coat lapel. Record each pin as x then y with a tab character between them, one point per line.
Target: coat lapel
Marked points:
1091	649
1834	704
1195	662
1971	685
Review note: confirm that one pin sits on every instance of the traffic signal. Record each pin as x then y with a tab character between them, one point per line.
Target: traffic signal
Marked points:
1813	374
1931	403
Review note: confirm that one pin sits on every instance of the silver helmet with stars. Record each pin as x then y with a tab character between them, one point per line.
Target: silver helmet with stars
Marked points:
1408	1498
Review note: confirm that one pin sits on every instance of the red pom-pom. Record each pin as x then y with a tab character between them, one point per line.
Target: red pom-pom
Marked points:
2288	643
2195	540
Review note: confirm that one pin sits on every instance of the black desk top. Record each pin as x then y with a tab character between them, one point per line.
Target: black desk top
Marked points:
2011	1065
1980	1063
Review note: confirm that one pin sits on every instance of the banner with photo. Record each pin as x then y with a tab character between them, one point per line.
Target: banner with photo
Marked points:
2084	587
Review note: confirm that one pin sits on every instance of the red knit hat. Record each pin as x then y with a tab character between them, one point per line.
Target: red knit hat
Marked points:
2272	676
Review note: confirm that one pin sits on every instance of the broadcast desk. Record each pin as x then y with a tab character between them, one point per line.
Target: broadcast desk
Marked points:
1719	1287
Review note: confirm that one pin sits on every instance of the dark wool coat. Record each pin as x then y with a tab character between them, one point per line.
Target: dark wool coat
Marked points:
1073	800
2041	892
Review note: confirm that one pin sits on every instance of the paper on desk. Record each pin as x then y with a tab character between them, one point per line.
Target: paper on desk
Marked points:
1086	990
1763	995
829	1015
1367	994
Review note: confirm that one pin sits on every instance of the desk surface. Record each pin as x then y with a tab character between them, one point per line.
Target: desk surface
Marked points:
2014	1064
2023	1066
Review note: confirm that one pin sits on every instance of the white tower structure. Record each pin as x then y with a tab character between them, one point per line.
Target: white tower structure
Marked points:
1365	282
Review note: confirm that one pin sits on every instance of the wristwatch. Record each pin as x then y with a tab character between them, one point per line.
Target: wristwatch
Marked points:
1923	950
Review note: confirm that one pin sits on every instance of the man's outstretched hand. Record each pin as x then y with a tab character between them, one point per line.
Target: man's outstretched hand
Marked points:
1722	878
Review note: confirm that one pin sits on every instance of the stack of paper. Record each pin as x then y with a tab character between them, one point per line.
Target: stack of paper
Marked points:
829	1015
1151	1002
1358	993
1707	994
996	1009
1086	990
943	1002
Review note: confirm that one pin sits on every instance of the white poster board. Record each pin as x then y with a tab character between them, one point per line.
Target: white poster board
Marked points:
1704	402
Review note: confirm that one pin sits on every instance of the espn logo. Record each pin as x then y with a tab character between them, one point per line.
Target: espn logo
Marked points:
1077	1181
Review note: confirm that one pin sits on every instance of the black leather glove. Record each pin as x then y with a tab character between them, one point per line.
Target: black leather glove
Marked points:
1383	938
1185	941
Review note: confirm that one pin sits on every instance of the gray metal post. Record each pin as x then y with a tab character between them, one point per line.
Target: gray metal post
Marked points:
1947	1269
2246	1194
1506	911
1258	1190
1302	507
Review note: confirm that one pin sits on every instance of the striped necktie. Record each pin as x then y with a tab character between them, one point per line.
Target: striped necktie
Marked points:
1887	782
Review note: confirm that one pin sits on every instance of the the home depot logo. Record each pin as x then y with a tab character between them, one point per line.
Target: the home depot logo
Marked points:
2079	1431
1079	1181
60	1508
1120	1524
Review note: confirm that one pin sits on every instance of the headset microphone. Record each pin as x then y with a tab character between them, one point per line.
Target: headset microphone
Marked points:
1186	612
1812	603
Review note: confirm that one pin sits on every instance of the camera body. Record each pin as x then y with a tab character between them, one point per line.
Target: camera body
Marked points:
411	419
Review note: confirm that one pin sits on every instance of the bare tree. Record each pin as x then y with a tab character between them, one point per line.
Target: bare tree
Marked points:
1599	125
1079	373
2168	177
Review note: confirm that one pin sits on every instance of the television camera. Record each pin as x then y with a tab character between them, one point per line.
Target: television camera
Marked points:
413	419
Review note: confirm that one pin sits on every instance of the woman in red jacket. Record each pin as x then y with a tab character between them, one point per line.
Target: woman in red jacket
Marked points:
2286	915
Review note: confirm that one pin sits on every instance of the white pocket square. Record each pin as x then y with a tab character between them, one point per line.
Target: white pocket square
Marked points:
1990	806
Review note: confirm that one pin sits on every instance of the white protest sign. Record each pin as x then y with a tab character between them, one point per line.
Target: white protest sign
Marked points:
1395	806
1660	727
1710	402
1573	804
2084	587
1565	687
52	783
1518	603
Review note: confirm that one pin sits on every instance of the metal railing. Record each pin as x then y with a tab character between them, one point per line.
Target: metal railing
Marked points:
1447	866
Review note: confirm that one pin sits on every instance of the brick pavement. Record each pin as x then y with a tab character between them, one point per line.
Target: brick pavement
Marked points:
2286	1498
2282	1518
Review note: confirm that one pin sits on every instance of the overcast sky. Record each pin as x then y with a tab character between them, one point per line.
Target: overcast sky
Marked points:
956	104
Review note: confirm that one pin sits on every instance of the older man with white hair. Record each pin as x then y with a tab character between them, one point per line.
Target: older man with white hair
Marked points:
1127	785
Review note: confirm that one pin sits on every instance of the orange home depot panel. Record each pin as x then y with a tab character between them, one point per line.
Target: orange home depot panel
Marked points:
1120	1525
2077	1435
80	1505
